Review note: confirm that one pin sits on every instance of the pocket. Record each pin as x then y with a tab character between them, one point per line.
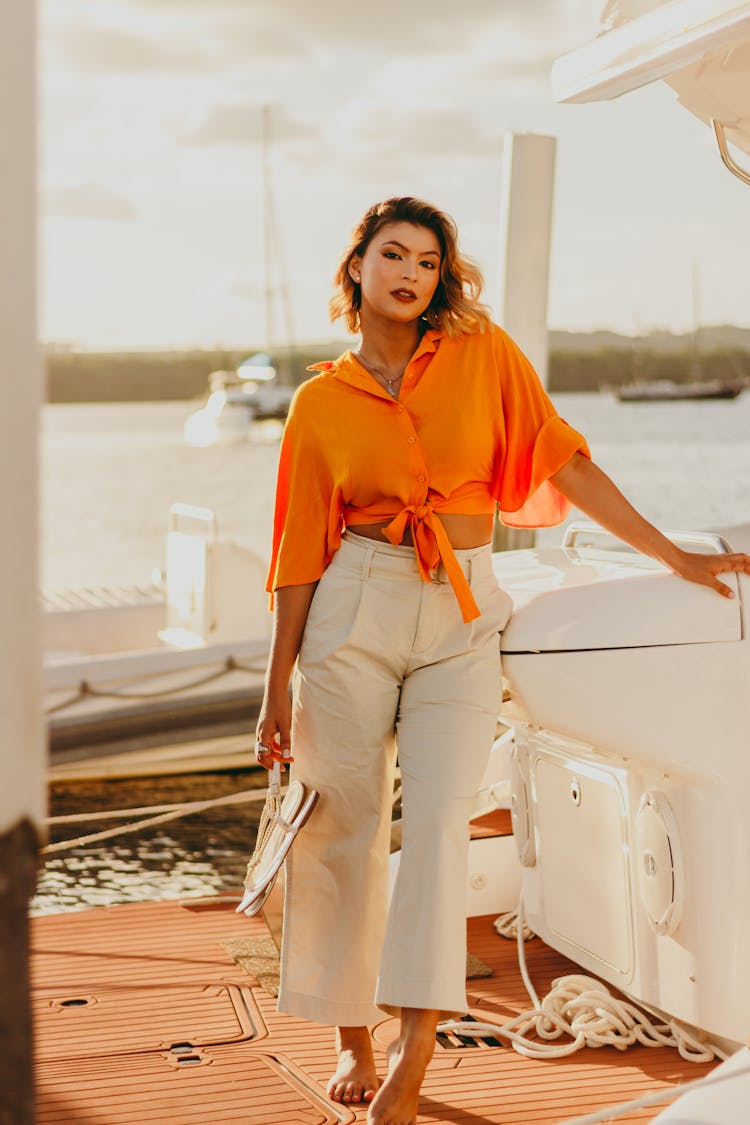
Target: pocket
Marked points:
495	606
334	612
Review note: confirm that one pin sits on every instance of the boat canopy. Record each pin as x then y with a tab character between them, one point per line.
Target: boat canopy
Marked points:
258	367
701	48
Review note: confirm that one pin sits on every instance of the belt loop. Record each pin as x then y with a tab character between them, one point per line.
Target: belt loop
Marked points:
367	562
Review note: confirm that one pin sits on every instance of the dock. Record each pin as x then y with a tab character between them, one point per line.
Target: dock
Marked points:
166	1012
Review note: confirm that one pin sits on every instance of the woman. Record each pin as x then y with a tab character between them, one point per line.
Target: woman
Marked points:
393	461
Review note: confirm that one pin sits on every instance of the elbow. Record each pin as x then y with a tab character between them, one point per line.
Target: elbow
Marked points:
574	470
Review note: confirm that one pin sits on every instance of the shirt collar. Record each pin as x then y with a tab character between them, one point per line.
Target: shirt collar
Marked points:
350	370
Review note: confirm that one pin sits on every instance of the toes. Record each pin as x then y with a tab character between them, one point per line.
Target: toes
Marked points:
336	1091
352	1092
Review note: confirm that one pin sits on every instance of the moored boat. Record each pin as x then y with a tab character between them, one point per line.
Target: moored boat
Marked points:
668	390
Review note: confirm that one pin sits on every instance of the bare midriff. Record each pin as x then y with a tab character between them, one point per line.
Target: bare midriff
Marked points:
463	531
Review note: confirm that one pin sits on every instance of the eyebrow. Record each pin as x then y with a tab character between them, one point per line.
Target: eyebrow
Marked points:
422	253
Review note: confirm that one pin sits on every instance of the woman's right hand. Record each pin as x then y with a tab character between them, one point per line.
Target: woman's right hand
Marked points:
274	730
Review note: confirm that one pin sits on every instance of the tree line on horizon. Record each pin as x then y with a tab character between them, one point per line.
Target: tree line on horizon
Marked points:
183	375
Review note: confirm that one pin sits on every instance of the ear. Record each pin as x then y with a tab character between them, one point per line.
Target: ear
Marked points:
354	269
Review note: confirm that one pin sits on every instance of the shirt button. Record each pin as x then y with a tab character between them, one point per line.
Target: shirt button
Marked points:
412	440
421	478
401	410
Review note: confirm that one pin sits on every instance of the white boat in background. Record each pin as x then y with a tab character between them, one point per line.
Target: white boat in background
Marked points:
188	649
668	390
236	399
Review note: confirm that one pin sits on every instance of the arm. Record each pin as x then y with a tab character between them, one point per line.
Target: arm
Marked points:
291	607
591	490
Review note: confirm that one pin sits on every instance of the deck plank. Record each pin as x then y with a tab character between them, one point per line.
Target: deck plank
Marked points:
279	1077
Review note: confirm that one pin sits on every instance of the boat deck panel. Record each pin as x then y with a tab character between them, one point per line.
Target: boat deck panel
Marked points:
276	1074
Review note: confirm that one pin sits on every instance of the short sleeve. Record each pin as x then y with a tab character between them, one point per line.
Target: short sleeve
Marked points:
307	513
538	442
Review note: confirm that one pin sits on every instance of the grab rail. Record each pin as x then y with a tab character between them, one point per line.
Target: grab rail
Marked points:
729	162
717	543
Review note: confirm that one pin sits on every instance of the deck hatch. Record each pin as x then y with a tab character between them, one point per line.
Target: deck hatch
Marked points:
153	1089
134	1018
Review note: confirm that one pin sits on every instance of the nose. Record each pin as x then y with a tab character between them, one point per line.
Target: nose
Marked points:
409	270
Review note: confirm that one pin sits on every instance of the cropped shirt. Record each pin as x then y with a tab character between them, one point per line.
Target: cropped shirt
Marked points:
473	428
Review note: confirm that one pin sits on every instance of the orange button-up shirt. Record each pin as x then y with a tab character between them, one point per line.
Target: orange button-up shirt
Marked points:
472	428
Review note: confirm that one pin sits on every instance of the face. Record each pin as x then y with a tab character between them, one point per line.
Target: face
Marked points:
398	272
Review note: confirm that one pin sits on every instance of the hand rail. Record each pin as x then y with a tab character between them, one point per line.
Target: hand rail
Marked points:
717	543
729	162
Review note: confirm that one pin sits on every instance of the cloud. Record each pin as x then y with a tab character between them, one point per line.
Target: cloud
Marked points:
239	123
416	29
427	132
110	50
88	200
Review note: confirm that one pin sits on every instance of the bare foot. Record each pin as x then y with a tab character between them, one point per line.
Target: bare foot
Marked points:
356	1079
397	1100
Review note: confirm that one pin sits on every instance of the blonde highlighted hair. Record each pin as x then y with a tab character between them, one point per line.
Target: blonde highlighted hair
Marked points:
455	307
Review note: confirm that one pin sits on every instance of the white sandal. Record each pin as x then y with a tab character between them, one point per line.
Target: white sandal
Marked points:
280	822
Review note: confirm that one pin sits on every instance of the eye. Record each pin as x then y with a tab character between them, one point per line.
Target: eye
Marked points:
429	264
391	254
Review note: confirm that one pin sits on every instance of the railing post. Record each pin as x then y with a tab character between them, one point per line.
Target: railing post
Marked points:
21	729
526	229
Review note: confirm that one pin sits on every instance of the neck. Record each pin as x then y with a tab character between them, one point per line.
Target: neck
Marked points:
388	343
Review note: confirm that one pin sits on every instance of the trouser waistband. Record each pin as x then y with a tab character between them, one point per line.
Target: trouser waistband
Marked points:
374	556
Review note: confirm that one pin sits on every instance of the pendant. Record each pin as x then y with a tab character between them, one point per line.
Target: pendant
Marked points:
390	389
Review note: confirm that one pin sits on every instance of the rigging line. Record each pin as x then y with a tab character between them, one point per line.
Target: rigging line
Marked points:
150	822
174	814
101	694
70	702
87	689
108	814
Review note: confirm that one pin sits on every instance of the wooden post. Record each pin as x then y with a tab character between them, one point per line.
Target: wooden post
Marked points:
526	228
21	732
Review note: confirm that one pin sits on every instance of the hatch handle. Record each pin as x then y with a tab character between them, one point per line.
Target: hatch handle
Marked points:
581	529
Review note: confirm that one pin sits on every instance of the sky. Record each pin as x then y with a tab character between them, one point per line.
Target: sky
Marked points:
151	171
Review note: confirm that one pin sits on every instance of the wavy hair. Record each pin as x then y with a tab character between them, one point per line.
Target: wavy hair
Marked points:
455	307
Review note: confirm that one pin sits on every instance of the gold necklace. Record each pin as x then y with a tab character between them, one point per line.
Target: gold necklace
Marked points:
390	388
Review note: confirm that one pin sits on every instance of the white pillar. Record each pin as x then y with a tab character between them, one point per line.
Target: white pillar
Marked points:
21	729
526	227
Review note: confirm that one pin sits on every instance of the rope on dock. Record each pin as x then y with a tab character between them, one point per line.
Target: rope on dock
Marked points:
86	689
583	1009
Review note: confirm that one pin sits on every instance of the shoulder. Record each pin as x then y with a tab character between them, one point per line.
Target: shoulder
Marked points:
313	390
485	341
484	352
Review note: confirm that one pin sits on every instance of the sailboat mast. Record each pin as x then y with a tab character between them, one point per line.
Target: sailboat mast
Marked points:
696	364
272	256
265	137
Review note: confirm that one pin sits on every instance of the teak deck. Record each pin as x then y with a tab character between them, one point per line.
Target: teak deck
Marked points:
142	1016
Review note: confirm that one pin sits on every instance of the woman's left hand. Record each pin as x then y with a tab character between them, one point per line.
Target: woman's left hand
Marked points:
704	569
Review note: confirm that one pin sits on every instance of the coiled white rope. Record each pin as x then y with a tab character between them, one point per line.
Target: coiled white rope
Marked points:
583	1009
507	926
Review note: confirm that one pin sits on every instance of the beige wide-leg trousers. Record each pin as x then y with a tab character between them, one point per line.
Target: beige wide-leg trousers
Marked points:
387	661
